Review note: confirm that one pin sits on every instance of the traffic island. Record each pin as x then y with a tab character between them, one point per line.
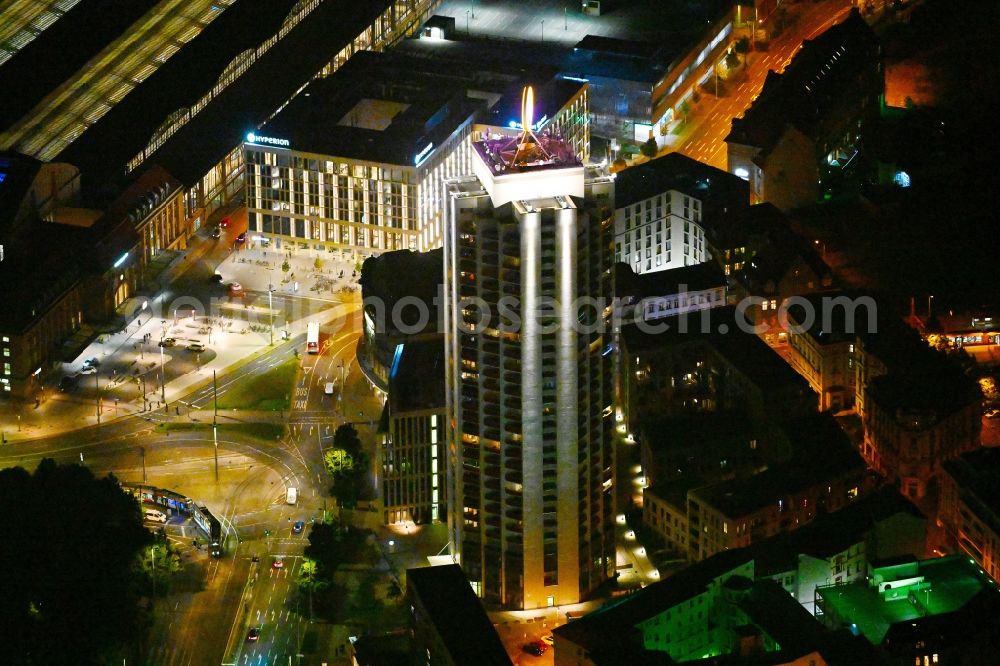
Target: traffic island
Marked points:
268	391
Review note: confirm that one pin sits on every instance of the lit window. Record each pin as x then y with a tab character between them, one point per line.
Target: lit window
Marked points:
5	339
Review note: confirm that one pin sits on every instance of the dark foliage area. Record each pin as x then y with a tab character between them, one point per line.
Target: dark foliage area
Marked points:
331	546
70	589
351	484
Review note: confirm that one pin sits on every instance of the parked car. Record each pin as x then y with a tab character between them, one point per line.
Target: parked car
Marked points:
88	370
216	277
154	516
329	388
548	639
242	238
196	347
217	233
235	289
93	362
168	342
298	526
253	634
278	563
224	223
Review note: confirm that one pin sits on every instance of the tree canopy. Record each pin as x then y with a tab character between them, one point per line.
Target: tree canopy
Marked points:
70	587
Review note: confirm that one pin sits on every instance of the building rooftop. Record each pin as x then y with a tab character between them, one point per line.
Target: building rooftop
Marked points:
925	589
798	633
614	623
820	451
783	618
832	533
371	111
718	190
718	327
811	85
977	474
523	155
751	226
696	277
550	96
382	288
936	385
105	148
777	252
457	615
692	450
114	231
62	50
831	317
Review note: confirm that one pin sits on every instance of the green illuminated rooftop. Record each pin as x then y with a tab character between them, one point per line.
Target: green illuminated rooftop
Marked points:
910	591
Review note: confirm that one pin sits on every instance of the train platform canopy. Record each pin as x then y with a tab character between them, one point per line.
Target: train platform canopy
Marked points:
60	51
105	148
255	96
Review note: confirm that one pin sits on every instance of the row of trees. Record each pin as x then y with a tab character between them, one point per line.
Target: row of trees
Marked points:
71	559
348	464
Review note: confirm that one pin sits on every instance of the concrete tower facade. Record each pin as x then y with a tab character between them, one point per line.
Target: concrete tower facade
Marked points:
528	288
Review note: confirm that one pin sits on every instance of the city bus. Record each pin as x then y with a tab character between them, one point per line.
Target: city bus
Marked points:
312	338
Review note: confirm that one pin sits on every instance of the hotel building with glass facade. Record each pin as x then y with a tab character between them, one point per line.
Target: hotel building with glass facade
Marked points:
357	164
529	394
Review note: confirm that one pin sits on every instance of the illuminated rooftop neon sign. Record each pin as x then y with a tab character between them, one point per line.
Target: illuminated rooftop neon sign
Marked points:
267	140
422	156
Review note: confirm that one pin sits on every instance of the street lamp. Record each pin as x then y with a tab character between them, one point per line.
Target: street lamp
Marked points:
163	379
929	299
215	440
822	246
97	391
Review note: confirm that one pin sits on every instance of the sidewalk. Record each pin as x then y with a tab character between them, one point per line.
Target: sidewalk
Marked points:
230	349
257	267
